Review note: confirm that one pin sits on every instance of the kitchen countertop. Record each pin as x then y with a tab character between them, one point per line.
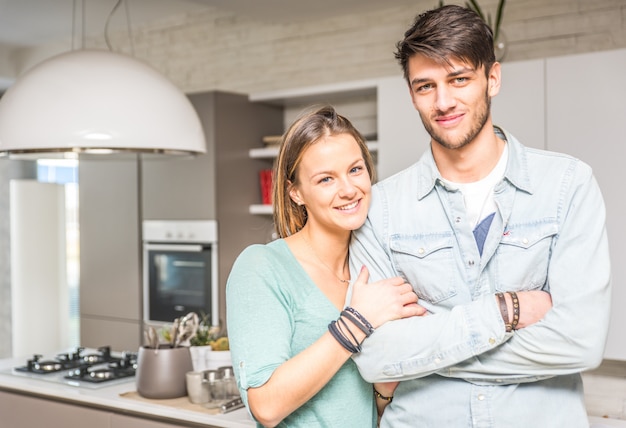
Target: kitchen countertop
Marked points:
110	398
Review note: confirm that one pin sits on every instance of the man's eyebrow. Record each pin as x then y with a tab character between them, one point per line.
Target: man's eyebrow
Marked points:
453	73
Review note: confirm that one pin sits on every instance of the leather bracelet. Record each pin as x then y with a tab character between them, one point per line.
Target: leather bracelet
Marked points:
504	312
515	300
382	397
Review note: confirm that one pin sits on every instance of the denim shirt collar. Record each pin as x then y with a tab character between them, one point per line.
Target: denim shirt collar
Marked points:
516	170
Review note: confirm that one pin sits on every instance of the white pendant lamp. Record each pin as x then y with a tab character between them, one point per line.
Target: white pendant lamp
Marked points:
97	101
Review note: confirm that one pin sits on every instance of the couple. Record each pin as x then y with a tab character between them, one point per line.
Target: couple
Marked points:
477	282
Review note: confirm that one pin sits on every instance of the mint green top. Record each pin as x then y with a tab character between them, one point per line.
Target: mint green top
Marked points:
275	311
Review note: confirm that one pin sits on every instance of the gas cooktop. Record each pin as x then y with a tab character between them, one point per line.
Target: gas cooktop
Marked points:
81	368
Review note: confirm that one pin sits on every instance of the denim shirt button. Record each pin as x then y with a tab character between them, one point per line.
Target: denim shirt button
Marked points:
458	219
492	341
421	251
471	263
481	397
525	241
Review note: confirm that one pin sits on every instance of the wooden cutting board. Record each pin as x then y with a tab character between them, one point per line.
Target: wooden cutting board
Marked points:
182	403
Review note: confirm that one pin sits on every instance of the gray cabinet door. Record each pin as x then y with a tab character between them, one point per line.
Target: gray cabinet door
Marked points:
20	411
586	117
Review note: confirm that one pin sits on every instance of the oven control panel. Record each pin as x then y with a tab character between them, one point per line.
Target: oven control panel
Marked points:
183	231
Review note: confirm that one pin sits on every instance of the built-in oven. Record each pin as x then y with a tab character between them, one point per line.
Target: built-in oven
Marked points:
180	270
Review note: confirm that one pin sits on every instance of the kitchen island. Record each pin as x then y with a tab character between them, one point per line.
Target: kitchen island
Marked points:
27	401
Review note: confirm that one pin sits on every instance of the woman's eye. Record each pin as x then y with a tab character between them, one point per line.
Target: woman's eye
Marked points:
356	169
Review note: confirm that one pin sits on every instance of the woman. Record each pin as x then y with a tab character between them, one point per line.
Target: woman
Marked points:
290	340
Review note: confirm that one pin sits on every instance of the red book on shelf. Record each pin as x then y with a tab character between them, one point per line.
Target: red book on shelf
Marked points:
265	177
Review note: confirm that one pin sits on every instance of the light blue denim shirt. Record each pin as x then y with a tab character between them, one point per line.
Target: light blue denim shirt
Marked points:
460	368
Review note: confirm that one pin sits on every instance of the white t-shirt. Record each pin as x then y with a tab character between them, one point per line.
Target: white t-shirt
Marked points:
478	196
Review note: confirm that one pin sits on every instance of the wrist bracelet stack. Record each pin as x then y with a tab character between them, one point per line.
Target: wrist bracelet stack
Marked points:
509	324
349	341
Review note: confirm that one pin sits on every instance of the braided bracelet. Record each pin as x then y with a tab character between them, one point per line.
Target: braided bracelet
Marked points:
515	309
356	322
362	319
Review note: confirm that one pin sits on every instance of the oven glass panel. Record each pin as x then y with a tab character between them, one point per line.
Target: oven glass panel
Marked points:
179	283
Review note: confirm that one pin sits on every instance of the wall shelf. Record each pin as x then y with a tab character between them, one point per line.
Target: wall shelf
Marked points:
260	209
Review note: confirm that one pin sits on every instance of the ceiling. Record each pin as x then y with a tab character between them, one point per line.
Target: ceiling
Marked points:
34	22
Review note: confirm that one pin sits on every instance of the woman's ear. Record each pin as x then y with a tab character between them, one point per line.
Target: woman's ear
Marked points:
294	194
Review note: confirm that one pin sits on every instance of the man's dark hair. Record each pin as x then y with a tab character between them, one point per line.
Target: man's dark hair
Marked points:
448	32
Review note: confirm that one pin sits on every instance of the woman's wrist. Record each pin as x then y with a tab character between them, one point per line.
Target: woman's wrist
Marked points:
350	330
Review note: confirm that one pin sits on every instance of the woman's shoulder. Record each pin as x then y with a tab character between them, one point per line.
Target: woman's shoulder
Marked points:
264	256
272	250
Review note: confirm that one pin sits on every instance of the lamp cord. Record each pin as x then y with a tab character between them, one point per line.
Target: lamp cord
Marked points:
128	26
82	40
106	25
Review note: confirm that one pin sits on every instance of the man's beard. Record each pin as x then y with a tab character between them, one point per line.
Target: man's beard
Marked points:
481	120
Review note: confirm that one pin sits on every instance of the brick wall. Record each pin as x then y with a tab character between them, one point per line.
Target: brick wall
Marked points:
217	50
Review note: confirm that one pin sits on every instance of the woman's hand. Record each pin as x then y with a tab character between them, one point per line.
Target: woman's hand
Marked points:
384	300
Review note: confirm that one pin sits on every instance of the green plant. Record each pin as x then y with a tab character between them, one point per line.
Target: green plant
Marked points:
215	336
495	26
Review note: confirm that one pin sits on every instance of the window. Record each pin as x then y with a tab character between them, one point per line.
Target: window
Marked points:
65	171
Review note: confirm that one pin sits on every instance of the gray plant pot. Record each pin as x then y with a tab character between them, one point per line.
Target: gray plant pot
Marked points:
161	372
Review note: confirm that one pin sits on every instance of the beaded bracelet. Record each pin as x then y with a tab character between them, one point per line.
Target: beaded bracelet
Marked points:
515	309
382	397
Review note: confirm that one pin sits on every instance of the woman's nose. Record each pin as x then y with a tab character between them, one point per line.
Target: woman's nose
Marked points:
347	188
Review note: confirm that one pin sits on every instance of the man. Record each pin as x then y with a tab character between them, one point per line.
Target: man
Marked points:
480	226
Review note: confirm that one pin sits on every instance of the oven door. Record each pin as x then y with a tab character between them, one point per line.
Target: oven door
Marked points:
177	280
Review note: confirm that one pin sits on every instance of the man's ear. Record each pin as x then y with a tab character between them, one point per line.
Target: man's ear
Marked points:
494	79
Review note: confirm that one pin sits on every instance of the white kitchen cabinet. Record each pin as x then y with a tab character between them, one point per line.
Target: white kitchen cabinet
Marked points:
401	137
38	296
586	117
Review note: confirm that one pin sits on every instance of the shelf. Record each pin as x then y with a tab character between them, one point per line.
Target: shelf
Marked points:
315	94
264	152
260	209
272	152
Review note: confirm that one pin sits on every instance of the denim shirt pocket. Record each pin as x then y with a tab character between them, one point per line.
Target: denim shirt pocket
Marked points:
427	263
523	255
